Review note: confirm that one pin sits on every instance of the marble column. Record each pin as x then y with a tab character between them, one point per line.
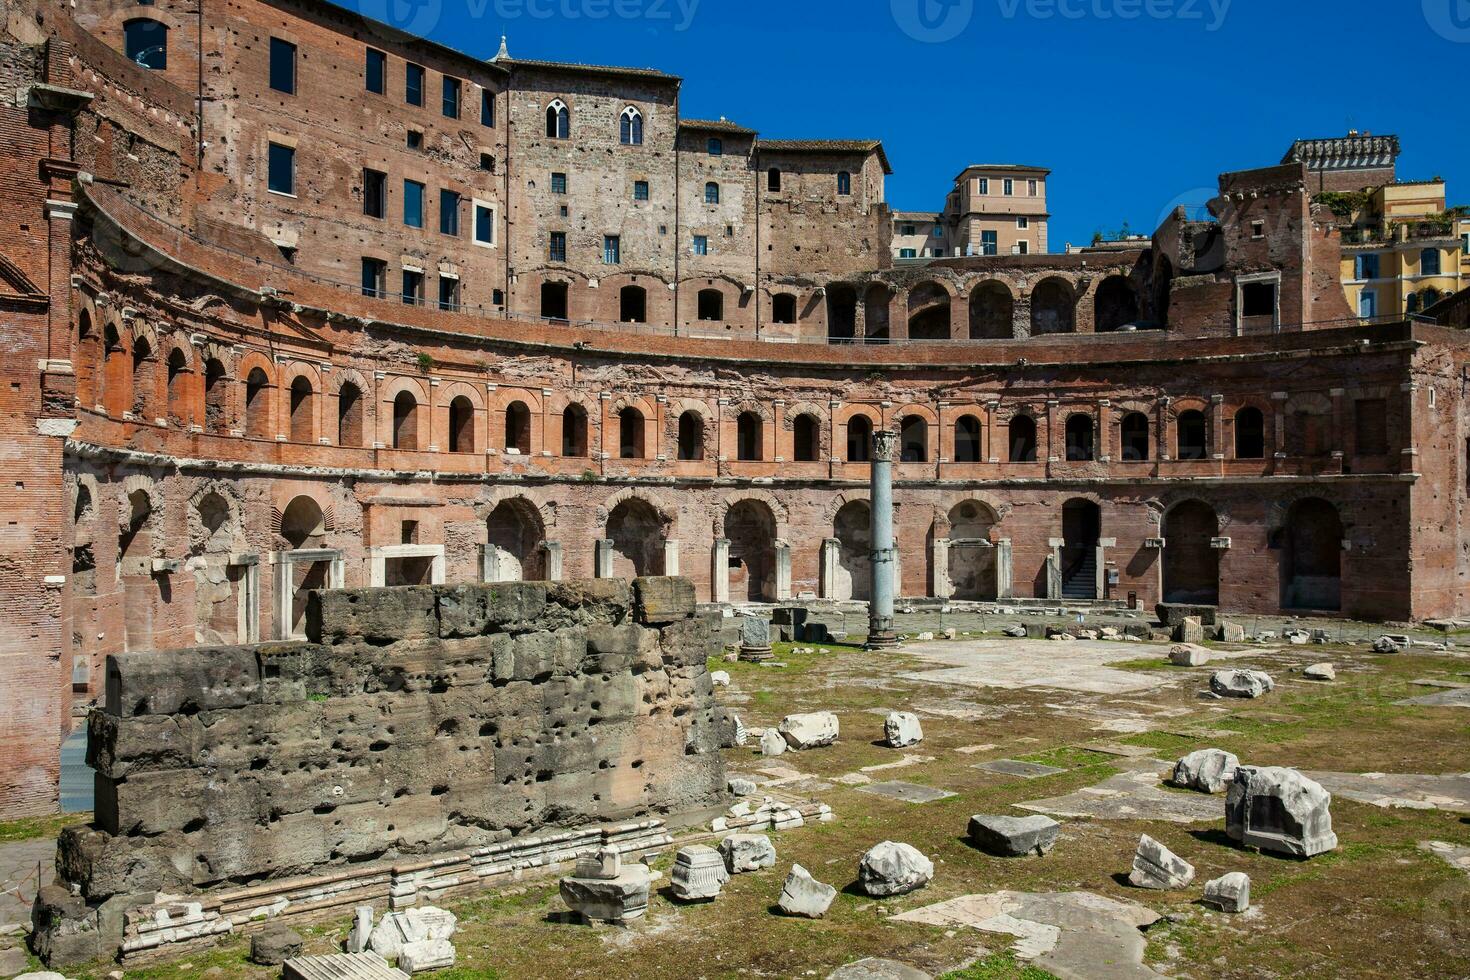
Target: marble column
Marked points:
881	634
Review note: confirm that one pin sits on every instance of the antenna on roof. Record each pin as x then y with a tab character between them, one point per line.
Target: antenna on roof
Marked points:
503	53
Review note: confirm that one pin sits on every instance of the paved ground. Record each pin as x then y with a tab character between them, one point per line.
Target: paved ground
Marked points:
19	879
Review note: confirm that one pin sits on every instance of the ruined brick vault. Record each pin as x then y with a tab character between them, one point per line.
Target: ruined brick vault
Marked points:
346	308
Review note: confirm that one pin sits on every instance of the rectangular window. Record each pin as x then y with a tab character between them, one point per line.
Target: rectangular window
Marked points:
374	193
907	253
556	251
448	293
1023	248
450	99
1258	299
612	250
415	139
281	169
1010	187
938	231
908	230
701	245
844	183
448	212
1367	267
1372	426
715	146
487	163
484	224
1429	264
413	84
376	71
283	66
558	183
487	107
1032	187
989	243
640	190
413	204
374	271
413	288
984	186
1023	222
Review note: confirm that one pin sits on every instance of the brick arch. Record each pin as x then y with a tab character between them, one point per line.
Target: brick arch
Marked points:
669	516
952	499
546	509
778	510
139	483
971	283
1189	403
179	340
234	502
1281	504
836	502
708	420
913	408
763	411
873	412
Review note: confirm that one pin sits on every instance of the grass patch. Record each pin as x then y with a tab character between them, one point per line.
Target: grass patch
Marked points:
31	828
999	966
1163	741
1145	663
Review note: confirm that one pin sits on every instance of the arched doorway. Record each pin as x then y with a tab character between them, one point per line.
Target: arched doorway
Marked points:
135	553
633	305
637	533
972	567
1116	305
515	531
859	439
854	533
929	312
1191	563
992	312
1052	308
841	314
691	436
1081	529
751	529
303	527
1311	556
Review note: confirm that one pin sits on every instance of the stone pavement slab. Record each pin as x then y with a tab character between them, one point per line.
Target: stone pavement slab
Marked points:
1015	767
1394	789
1138	794
907	792
20	879
1457	697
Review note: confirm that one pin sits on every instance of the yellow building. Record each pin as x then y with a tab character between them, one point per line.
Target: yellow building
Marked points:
1402	251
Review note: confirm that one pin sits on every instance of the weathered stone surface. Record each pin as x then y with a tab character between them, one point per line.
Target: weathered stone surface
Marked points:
773	743
425	955
1320	672
1279	810
398	929
1207	770
1189	630
902	728
891	868
809	731
747	852
361	932
1157	867
341	966
274	945
699	873
875	968
1006	836
1172	614
1388	644
743	787
804	896
755	633
1229	893
1231	633
660	601
477	610
615	900
1188	655
1241	683
720	678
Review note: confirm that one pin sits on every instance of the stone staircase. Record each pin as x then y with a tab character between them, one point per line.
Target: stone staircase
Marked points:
1082	582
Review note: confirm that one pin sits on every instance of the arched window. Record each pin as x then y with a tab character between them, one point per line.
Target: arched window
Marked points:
631	127
841	314
630	434
859	439
711	193
574	432
303	409
1079	438
1053	308
178	374
554	300
844	183
633	305
967	439
748	441
517	429
142	379
349	415
806	438
461	425
783	308
1192	435
913	440
558	121
1133	435
1115	305
405	421
1022	432
216	396
257	405
145	42
691	436
711	305
1250	433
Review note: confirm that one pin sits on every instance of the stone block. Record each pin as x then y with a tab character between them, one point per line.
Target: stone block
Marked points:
1005	836
476	610
118	746
747	852
902	729
1229	893
1172	614
1207	770
415	925
376	617
1241	683
809	731
773	743
1279	810
274	945
426	955
613	900
598	600
892	868
687	643
1320	672
804	896
185	681
664	600
1035	631
698	874
341	966
1157	867
1231	633
1188	655
1190	630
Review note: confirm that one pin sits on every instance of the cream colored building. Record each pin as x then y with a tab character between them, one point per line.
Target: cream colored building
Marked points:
991	209
1402	252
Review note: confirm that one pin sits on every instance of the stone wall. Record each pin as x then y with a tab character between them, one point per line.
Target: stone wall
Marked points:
414	721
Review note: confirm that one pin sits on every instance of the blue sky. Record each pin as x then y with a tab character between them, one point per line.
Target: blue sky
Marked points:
1134	104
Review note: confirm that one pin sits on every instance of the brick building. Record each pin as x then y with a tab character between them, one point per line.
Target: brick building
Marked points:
992	209
635	343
